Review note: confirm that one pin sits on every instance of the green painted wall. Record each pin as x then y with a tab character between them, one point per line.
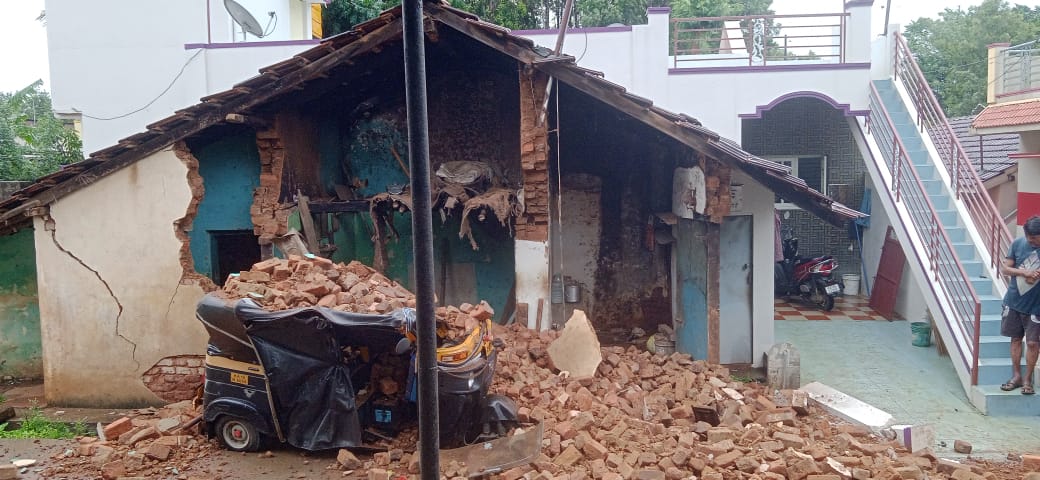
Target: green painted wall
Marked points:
230	169
21	353
363	151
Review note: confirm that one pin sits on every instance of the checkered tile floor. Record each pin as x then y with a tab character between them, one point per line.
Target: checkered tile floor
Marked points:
845	308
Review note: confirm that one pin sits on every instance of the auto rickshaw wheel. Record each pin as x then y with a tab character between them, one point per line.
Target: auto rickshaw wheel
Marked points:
238	435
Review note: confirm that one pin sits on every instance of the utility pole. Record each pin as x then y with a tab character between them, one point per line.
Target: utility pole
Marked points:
422	236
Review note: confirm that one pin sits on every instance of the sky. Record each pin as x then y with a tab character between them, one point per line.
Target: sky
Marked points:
23	40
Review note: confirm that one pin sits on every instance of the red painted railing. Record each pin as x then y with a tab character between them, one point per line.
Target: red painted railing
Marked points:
967	185
946	270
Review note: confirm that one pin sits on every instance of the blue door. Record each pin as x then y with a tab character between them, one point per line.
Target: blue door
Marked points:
691	282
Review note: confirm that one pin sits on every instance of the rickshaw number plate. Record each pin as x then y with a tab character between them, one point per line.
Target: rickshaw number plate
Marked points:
240	378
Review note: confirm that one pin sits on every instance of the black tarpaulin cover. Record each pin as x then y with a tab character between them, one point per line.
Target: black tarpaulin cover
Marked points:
300	351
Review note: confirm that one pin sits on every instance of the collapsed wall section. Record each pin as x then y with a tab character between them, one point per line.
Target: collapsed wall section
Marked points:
269	220
183	225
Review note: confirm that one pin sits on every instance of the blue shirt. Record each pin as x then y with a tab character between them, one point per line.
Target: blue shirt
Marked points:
1021	251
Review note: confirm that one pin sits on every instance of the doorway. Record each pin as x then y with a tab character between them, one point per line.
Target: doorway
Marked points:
233	251
735	299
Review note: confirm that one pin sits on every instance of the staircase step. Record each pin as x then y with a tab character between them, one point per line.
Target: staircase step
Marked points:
994	371
1000	403
949	218
964	250
991	304
956	234
933	187
918	156
990	325
994	346
926	172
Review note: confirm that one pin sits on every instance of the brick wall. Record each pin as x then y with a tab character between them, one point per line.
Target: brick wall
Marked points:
534	223
807	126
175	378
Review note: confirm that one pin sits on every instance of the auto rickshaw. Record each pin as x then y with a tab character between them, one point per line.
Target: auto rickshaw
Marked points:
319	378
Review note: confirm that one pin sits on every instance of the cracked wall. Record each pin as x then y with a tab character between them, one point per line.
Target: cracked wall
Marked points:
114	302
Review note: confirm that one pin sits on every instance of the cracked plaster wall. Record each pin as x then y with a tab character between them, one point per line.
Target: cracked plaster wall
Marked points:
104	247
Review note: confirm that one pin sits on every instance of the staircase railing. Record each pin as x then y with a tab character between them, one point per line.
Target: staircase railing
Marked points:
967	185
946	270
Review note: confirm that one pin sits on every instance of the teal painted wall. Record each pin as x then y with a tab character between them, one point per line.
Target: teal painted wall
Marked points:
230	169
362	150
21	352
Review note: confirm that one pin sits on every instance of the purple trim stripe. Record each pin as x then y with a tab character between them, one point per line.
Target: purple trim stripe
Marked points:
771	68
844	107
653	10
276	43
859	3
554	31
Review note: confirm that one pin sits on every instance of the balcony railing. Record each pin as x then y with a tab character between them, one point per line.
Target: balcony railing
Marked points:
947	274
1019	69
759	39
966	184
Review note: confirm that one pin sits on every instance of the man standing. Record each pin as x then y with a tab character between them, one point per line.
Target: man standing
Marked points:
1021	316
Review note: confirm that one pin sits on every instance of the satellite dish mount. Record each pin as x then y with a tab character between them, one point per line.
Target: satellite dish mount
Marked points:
247	22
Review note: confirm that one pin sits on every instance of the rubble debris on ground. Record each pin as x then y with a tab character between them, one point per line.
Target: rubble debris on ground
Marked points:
148	443
643	416
639	416
308	281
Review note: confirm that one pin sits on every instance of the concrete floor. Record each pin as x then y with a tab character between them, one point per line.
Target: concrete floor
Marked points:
875	362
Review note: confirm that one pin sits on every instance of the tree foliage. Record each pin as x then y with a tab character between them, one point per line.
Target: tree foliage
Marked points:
33	142
542	14
952	50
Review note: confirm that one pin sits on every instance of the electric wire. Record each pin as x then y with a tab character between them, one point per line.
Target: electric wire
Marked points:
152	101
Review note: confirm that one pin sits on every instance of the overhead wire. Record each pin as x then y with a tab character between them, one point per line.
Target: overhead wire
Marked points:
152	101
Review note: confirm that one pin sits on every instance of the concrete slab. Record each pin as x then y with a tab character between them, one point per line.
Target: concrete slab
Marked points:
577	349
847	407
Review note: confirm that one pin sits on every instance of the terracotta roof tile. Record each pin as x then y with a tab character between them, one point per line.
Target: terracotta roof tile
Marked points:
1009	114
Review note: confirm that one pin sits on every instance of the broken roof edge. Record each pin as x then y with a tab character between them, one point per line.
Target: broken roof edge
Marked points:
292	72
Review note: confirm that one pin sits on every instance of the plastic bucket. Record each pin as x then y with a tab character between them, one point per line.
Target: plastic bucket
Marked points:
922	334
851	282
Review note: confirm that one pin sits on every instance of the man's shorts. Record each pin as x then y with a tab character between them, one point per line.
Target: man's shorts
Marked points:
1016	324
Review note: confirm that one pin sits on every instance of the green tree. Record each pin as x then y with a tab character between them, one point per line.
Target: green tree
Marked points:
536	14
33	142
952	50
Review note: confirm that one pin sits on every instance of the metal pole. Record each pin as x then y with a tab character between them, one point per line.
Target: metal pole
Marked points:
566	20
422	236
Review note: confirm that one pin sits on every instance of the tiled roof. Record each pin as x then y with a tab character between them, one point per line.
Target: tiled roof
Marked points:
1008	115
988	153
310	65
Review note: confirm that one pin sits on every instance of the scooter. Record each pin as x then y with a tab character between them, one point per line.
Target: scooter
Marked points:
811	279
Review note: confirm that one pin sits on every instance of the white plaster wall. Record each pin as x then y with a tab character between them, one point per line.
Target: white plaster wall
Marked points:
224	67
532	281
111	58
119	232
639	61
580	235
758	202
910	303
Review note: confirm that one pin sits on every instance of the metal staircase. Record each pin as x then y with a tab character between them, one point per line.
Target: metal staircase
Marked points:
952	233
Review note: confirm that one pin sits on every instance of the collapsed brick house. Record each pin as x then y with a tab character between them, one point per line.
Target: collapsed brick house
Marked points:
547	175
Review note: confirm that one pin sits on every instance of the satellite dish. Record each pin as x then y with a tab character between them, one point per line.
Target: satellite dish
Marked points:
244	19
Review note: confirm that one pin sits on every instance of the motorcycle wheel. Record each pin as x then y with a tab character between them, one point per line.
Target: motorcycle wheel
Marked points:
822	300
